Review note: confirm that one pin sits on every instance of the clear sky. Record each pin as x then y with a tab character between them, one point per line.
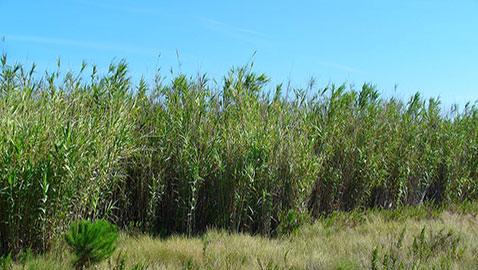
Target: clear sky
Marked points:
427	46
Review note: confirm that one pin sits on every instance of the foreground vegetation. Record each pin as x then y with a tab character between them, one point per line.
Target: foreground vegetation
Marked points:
408	238
187	155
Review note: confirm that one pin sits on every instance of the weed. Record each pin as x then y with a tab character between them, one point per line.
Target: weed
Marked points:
446	247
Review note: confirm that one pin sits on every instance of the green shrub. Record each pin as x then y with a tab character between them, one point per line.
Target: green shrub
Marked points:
6	262
291	222
91	242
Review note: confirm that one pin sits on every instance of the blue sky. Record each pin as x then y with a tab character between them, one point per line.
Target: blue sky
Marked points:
426	46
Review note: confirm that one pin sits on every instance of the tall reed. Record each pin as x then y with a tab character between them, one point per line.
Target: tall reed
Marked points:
186	155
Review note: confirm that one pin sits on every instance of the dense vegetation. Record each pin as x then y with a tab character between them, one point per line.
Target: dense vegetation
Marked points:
183	155
397	239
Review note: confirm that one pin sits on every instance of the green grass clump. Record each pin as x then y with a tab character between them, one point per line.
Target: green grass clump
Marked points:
91	242
185	155
437	250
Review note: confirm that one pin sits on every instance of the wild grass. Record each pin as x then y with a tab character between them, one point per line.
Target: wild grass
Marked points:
185	155
447	240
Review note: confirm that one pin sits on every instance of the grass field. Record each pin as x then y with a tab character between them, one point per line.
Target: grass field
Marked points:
182	156
409	238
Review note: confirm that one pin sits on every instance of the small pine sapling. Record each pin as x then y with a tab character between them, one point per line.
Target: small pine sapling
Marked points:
91	242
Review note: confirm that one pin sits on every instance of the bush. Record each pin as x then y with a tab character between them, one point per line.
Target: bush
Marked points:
91	242
6	262
292	222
